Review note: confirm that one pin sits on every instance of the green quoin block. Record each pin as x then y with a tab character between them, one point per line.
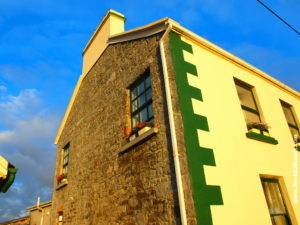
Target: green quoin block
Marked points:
204	195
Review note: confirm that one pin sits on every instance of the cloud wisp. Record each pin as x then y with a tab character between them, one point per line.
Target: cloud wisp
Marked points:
26	137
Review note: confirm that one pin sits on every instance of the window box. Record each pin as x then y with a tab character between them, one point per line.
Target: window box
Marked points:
262	137
61	184
138	140
254	130
144	129
140	129
132	137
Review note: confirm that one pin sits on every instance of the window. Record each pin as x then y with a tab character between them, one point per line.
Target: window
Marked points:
290	118
65	160
248	103
141	101
275	201
60	218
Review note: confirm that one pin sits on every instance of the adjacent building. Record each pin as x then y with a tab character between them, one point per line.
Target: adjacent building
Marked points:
164	127
7	174
40	214
18	221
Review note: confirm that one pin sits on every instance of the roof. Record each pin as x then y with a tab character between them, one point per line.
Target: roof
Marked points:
42	205
21	221
160	26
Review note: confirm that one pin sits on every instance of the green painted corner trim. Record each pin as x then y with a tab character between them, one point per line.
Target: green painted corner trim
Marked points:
204	195
9	180
261	137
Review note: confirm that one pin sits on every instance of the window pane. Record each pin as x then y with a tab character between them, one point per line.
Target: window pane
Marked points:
280	220
246	97
150	111
143	115
134	105
134	93
141	88
251	117
135	120
141	100
149	94
288	115
148	82
274	198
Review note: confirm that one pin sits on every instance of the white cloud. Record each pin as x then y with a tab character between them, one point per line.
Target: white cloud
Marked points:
3	88
26	140
25	99
6	136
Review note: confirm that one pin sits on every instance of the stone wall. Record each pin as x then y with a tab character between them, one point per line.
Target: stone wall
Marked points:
138	187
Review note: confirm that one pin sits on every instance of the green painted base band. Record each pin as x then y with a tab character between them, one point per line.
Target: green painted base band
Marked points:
261	137
204	195
9	180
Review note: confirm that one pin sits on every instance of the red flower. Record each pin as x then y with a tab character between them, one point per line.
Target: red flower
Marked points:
60	177
127	130
143	124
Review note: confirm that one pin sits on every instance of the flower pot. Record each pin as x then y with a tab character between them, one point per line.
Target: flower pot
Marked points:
143	130
266	133
64	180
132	137
254	130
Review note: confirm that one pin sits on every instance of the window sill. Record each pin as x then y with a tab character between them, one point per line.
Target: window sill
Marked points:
261	137
138	140
61	185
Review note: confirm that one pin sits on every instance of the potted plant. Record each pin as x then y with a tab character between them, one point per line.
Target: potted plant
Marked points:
140	129
259	127
61	178
133	133
144	126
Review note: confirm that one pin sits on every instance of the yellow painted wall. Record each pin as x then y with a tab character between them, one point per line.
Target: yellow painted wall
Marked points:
240	160
3	167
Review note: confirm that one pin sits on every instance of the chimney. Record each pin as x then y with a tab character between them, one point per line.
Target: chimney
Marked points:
112	23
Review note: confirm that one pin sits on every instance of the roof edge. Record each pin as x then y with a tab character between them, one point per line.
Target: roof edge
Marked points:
161	25
181	30
42	205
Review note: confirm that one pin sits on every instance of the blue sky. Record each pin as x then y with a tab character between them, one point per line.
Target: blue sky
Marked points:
41	42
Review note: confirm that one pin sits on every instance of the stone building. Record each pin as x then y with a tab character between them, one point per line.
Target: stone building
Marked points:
164	127
40	214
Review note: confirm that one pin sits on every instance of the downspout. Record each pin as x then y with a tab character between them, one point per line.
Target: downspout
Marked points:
172	128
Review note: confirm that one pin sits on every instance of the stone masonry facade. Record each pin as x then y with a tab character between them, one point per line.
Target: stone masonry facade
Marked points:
104	187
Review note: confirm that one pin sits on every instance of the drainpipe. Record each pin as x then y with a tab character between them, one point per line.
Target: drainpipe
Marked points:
172	129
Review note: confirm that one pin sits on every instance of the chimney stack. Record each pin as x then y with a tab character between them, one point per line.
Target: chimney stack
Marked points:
112	23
